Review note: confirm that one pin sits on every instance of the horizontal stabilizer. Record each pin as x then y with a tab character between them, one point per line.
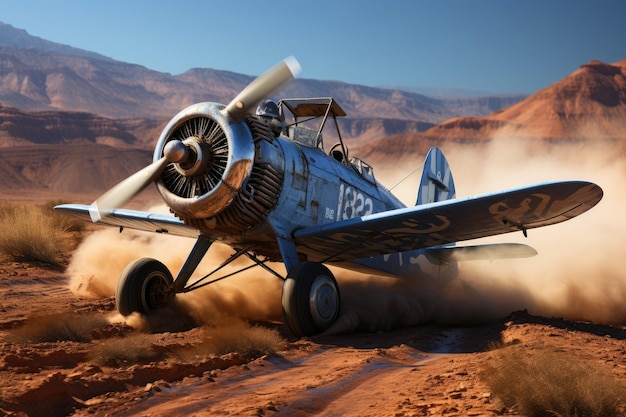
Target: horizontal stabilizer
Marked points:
480	252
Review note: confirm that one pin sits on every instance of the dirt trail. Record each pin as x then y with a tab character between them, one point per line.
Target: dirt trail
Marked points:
395	373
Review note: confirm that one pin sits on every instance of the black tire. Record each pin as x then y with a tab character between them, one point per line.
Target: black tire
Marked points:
145	285
310	299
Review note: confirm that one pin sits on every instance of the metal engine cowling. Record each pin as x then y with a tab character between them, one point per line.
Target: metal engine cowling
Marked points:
222	155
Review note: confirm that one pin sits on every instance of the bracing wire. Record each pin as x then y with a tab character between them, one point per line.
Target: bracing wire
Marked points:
406	177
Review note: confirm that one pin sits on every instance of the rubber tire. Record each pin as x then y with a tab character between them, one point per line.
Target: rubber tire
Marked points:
306	316
144	285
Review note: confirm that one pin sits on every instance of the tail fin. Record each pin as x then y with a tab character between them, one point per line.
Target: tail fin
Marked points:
436	183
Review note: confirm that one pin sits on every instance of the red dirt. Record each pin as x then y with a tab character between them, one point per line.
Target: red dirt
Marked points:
422	370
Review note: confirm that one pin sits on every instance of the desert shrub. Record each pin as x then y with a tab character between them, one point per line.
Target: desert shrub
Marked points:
237	336
253	341
29	234
122	351
62	221
57	327
545	384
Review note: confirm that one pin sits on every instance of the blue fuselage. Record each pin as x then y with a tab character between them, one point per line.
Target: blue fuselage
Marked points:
318	189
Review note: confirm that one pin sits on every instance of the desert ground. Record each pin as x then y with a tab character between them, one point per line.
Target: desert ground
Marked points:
161	369
543	336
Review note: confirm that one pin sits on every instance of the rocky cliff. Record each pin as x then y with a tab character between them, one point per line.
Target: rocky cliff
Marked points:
587	106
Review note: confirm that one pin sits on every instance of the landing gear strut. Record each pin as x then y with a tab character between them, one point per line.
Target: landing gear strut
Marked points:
146	284
310	299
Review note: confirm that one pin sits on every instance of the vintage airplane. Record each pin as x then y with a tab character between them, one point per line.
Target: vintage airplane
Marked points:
253	174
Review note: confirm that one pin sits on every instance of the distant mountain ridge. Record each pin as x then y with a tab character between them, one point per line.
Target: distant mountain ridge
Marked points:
590	103
18	128
38	75
73	121
440	92
18	38
586	107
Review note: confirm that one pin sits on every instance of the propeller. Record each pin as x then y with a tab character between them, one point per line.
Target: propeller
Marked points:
175	151
125	190
262	86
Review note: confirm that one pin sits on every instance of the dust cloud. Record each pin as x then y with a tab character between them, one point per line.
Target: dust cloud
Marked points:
252	295
577	274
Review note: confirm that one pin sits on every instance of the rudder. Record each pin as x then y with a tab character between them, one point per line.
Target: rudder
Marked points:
436	183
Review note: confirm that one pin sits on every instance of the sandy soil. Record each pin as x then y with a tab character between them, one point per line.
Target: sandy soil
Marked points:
68	353
416	371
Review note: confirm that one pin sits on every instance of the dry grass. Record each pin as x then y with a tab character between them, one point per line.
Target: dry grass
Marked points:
31	234
58	327
543	383
232	335
121	351
255	341
237	336
62	221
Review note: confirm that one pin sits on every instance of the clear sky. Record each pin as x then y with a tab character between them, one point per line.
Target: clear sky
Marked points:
499	46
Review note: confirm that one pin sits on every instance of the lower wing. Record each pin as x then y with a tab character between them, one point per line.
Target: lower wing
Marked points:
131	219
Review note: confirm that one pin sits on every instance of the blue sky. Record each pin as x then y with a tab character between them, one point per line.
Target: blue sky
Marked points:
499	46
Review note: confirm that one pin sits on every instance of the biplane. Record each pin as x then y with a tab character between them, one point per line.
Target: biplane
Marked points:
255	174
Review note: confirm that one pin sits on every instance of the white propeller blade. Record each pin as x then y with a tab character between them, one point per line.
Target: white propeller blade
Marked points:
125	190
262	86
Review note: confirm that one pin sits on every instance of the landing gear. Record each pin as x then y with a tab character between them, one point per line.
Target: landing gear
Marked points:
144	286
310	299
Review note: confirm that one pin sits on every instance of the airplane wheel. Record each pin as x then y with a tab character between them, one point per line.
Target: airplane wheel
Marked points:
310	299
145	285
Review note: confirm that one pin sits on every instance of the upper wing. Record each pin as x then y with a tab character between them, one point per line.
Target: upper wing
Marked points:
448	221
137	220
